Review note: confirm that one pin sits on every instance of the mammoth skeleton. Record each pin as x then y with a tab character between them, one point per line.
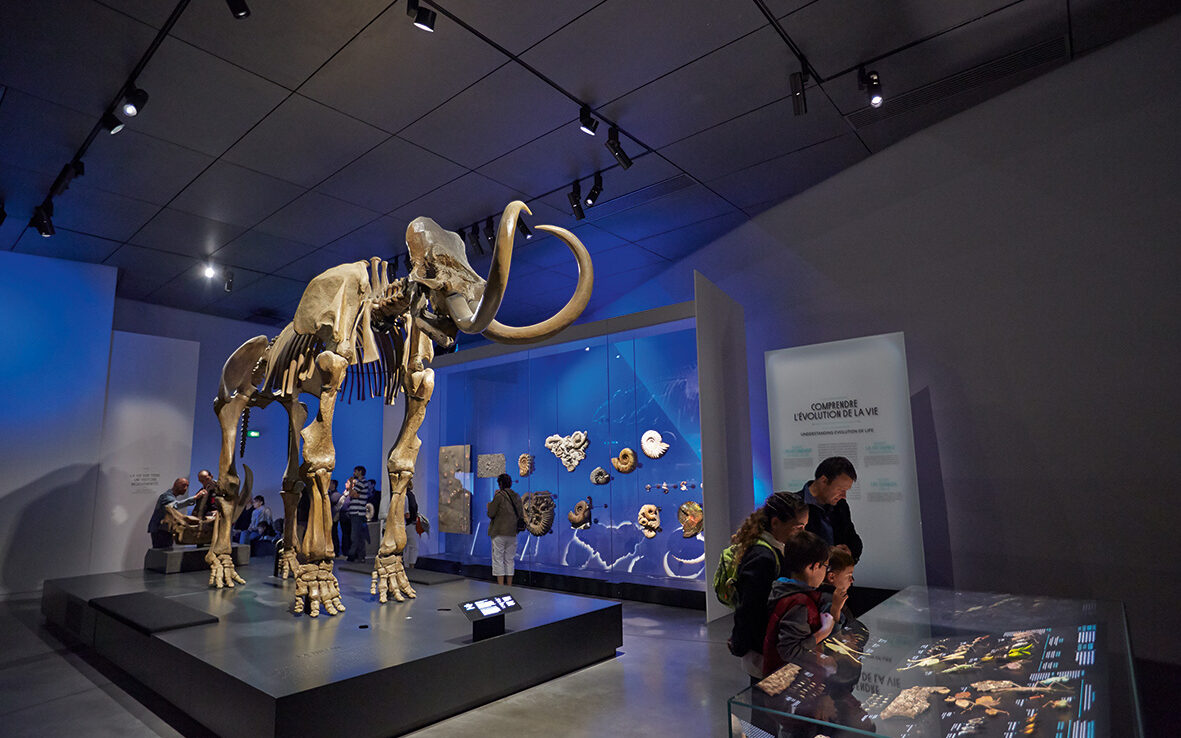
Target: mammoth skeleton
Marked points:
357	332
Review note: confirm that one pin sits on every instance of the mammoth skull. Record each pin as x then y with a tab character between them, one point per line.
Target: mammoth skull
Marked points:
439	263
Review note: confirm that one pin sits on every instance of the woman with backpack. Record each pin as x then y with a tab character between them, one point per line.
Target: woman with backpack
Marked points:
505	510
758	547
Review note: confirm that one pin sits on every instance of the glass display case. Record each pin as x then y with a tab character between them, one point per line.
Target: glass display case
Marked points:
935	663
614	388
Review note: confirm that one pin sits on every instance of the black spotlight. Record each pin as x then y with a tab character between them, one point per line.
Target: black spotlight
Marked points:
42	219
521	226
872	84
595	190
111	123
230	278
616	149
587	122
799	103
424	18
488	232
134	102
240	10
575	198
3	212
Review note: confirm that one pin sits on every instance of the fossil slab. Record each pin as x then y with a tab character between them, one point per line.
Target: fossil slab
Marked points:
525	464
570	450
625	463
653	445
539	512
779	680
912	701
649	520
455	502
691	517
580	516
599	476
489	465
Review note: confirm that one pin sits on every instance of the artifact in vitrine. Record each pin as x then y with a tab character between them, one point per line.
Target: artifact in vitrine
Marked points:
570	450
599	476
455	500
539	512
525	464
691	517
625	463
580	516
649	520
489	466
653	445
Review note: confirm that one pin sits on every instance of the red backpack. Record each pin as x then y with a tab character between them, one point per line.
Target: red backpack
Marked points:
811	600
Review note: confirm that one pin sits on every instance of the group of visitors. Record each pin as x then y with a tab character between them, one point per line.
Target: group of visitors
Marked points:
796	557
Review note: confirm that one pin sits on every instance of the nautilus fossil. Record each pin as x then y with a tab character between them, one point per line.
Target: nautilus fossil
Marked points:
580	517
599	476
570	450
539	512
649	520
525	464
691	517
625	463
653	445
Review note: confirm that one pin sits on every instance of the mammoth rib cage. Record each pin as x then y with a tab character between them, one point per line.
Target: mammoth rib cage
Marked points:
296	362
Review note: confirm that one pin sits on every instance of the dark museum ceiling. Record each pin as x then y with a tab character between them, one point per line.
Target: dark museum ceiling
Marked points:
310	133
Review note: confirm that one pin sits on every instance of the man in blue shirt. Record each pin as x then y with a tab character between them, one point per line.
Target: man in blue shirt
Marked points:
161	535
828	512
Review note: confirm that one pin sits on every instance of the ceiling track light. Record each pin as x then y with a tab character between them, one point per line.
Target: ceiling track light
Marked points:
42	219
521	226
575	198
210	271
134	101
488	232
3	213
475	239
229	280
111	123
872	84
799	100
240	10
587	122
616	148
595	190
424	18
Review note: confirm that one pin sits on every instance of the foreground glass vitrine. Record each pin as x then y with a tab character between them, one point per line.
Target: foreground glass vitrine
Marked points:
936	663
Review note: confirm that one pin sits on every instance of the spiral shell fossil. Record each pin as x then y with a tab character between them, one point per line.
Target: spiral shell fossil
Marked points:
539	512
580	517
649	520
570	450
653	445
691	517
625	463
599	476
525	464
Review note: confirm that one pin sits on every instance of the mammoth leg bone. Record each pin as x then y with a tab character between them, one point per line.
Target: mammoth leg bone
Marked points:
227	498
315	584
418	381
293	488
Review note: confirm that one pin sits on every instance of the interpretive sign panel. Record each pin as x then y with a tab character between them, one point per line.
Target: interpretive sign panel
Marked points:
852	398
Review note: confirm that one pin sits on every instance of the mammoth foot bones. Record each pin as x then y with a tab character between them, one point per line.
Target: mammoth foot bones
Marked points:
221	570
315	584
288	563
389	579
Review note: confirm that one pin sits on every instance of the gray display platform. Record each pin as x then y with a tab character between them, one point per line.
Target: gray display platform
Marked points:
189	558
380	670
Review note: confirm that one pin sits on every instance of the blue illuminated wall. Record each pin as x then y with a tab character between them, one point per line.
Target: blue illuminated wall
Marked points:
55	325
615	388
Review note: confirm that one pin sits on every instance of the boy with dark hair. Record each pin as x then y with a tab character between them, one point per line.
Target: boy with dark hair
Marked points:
835	590
796	622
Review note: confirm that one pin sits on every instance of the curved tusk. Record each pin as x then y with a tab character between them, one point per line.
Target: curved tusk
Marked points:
502	256
502	333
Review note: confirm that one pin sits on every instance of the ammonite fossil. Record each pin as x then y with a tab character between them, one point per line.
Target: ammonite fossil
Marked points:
570	450
525	464
600	476
649	520
625	463
580	517
691	517
539	512
653	445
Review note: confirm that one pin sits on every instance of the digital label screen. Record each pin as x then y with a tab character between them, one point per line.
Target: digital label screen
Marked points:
487	607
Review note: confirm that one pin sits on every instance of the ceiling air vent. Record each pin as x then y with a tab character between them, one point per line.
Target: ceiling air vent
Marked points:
1046	52
639	197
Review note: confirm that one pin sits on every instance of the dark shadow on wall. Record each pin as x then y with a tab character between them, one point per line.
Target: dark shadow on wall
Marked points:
932	495
50	520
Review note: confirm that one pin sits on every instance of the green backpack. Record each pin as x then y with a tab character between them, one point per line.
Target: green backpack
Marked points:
726	574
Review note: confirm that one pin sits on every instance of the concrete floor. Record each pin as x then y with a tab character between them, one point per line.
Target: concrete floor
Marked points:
673	676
